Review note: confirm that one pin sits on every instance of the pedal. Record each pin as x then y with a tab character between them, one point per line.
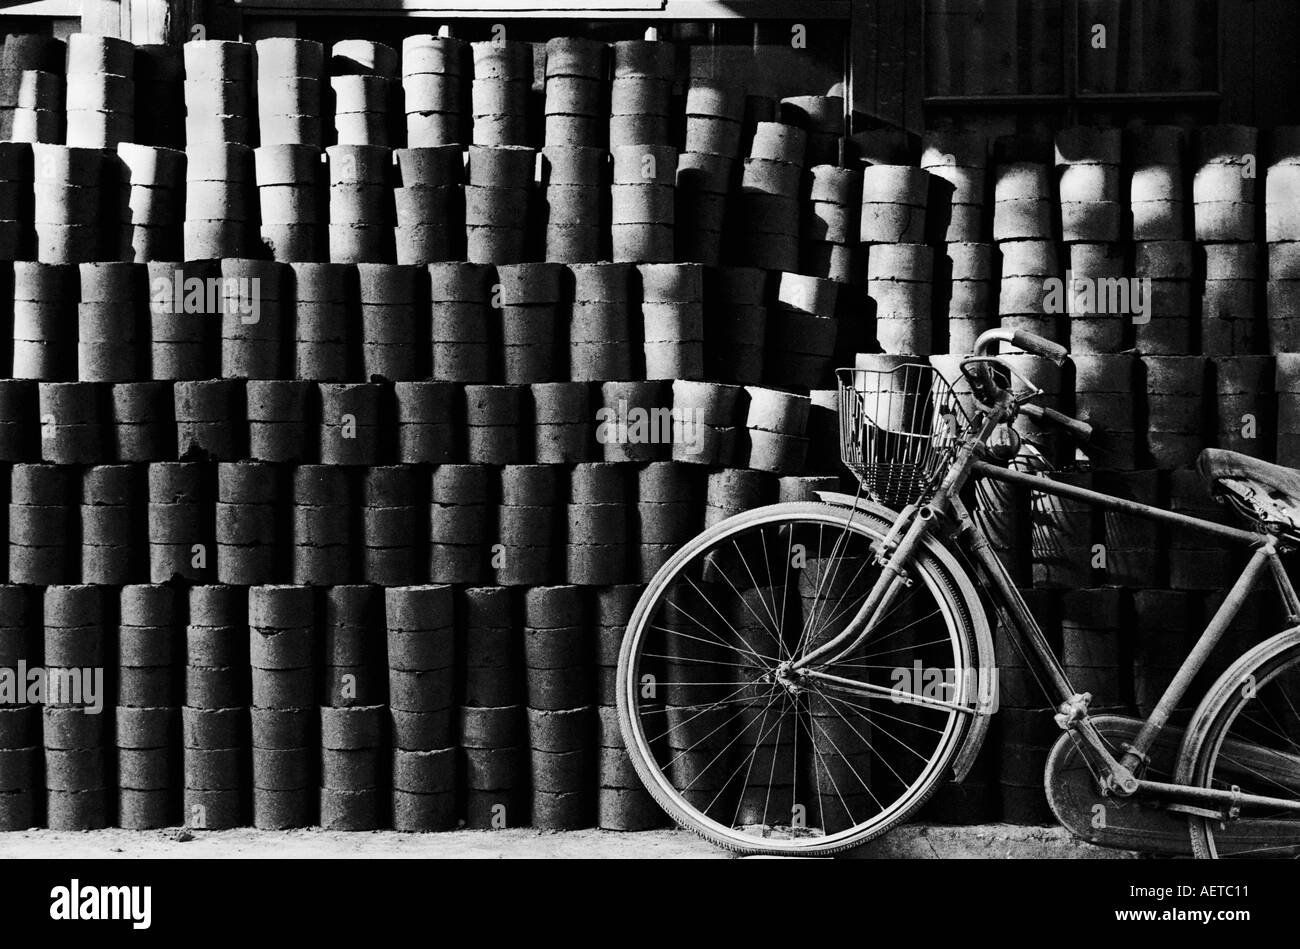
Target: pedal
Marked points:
1194	811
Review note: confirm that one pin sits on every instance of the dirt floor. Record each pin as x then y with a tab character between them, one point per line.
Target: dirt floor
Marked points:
998	841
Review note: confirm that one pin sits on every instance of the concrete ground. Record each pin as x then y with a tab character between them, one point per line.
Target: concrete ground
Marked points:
994	841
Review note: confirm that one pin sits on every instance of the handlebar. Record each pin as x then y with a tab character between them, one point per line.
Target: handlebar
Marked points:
1076	427
1029	342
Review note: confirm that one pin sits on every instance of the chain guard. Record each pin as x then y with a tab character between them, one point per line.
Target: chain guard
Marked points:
1109	821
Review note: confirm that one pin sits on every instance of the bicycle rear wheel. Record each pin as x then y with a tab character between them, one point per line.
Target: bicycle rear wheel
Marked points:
758	760
1251	740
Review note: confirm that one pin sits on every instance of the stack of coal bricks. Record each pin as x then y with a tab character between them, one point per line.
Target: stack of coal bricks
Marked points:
110	525
68	203
21	755
150	645
460	523
1230	324
969	271
597	525
354	769
143	427
15	199
705	426
1024	196
112	322
434	82
528	524
254	306
1168	327
42	525
276	412
1163	619
627	437
290	200
361	209
422	696
715	111
220	200
282	655
735	333
641	94
895	199
1156	183
214	719
527	307
1286	382
1196	560
777	422
72	429
642	203
363	83
1176	409
323	294
1097	333
1224	183
153	181
1028	267
100	91
801	332
600	323
220	93
290	76
831	224
460	296
1026	731
1282	231
499	96
17	440
160	81
39	114
322	533
1245	406
672	317
1088	162
1103	397
181	541
704	183
389	306
764	216
561	715
494	421
622	802
497	201
961	159
425	430
353	665
1091	621
900	281
666	518
390	526
574	202
182	345
246	549
730	491
563	427
429	204
577	94
209	415
77	772
823	118
23	53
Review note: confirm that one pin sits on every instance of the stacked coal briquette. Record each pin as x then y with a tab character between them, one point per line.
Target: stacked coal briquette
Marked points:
157	468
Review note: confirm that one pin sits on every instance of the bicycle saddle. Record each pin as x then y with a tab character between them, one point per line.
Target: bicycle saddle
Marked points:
1266	492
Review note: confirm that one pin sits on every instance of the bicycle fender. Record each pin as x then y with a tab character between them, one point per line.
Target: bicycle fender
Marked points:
978	729
1231	680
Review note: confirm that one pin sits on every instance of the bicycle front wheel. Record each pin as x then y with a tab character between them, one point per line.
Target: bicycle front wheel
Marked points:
756	758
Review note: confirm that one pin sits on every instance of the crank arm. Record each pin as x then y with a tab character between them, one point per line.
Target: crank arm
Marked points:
1229	799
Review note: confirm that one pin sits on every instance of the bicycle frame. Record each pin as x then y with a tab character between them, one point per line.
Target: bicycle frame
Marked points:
1119	776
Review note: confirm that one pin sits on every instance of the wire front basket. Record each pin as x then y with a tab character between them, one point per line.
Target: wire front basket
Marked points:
898	430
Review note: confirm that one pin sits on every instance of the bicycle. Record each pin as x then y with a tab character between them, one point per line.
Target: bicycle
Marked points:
801	677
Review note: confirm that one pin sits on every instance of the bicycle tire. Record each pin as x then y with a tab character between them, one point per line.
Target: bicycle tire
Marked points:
947	583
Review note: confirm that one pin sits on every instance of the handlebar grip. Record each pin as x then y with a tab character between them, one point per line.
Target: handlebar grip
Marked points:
1076	427
1033	343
